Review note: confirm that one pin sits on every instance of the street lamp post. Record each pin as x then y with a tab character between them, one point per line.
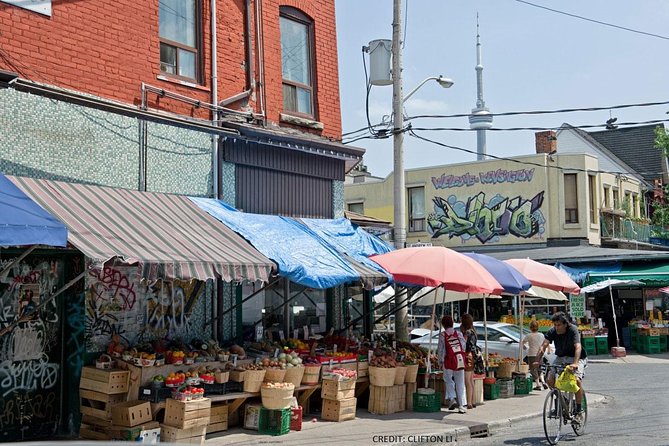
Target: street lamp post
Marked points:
399	190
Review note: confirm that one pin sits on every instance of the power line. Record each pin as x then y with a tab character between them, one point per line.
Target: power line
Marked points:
514	129
599	22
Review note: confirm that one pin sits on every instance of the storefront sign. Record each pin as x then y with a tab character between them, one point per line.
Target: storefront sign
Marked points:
577	305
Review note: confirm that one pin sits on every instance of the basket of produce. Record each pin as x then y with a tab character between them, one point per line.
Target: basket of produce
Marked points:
400	374
276	395
382	370
187	393
312	374
253	378
105	362
294	374
411	373
506	368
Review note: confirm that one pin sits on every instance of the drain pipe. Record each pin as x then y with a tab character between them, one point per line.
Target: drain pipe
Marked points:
261	56
216	167
250	69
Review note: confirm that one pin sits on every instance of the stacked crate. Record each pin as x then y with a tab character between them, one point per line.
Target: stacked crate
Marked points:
186	421
339	402
218	420
99	391
388	399
132	421
410	390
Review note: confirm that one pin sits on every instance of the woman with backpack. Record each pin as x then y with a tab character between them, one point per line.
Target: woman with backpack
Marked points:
469	333
452	358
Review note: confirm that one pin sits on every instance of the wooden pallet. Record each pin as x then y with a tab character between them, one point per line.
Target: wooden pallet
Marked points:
387	400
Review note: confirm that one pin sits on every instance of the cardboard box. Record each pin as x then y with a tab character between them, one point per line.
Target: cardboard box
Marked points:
131	413
187	414
98	404
149	432
341	410
338	390
92	432
191	435
104	381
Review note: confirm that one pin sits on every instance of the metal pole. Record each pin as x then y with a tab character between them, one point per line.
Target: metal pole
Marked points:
399	192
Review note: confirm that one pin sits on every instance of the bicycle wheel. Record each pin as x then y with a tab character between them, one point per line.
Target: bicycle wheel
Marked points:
579	426
553	416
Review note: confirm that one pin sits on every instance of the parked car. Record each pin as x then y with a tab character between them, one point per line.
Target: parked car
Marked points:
503	338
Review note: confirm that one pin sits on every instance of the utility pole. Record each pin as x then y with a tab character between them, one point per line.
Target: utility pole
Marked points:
399	191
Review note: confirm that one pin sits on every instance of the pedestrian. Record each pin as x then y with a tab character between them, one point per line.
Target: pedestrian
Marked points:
451	356
534	341
469	334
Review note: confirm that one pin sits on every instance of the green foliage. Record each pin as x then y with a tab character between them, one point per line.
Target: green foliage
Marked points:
660	209
662	140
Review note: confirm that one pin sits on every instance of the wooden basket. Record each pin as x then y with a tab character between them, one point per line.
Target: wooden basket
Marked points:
412	373
253	379
524	368
505	370
275	399
381	377
274	375
294	375
312	374
400	374
221	377
105	362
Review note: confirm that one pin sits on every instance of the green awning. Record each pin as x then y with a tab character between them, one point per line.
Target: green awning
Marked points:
655	275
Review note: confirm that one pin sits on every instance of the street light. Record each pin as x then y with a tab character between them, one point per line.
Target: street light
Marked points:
441	80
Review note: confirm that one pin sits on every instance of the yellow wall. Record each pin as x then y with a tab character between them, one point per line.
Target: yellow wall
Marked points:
497	202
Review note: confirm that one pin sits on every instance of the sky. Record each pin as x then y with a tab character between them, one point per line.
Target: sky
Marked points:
533	59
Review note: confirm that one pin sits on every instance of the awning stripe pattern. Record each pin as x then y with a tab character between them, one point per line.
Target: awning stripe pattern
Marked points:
168	236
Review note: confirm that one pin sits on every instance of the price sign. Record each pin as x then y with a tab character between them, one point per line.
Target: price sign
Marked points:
306	332
276	353
577	305
259	332
295	333
281	335
334	348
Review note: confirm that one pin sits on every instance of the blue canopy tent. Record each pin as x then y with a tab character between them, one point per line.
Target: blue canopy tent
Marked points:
23	222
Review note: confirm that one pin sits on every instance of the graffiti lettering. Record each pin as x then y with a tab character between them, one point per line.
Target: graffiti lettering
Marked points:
28	343
21	409
28	375
112	285
502	216
448	181
506	176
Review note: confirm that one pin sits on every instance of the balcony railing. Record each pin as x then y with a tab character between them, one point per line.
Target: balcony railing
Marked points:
622	228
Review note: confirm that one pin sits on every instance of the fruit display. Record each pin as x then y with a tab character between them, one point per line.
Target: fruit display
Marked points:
384	361
188	393
340	373
158	381
290	360
494	359
175	357
278	385
175	379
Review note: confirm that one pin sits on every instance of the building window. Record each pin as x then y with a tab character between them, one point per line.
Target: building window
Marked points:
607	198
635	205
416	209
616	199
592	192
358	208
180	38
570	198
296	62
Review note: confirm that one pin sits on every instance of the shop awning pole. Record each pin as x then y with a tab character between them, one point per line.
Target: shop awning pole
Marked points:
269	285
11	264
615	322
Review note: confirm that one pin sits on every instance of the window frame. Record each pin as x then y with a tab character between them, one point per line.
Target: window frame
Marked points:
571	214
294	14
592	202
412	221
356	203
198	49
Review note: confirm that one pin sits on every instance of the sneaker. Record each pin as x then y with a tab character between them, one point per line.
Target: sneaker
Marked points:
453	405
537	387
462	410
578	417
447	402
545	386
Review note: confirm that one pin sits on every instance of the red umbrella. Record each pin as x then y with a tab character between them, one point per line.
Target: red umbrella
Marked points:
438	266
546	276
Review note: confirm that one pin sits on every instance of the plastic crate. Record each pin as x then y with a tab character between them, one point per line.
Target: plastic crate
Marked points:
154	394
602	345
490	391
296	418
523	386
274	422
663	343
214	389
427	402
506	388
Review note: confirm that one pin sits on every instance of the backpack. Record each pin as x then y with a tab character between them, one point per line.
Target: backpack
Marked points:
455	353
479	365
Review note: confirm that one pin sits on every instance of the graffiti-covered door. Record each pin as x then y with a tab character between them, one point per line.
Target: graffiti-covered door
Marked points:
31	352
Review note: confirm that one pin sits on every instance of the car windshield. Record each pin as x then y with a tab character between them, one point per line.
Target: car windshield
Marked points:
513	330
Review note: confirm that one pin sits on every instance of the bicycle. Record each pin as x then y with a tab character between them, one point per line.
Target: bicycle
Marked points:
559	410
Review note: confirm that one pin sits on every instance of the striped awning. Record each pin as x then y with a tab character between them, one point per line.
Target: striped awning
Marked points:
167	236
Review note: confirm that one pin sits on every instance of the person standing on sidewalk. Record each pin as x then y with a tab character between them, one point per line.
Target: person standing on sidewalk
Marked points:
534	341
469	334
451	353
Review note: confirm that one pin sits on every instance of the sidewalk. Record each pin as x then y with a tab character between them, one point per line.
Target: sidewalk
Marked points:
405	428
631	358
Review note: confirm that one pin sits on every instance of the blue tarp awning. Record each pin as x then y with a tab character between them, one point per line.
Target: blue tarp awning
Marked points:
301	256
23	222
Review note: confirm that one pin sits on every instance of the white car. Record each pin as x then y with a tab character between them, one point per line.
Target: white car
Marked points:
503	338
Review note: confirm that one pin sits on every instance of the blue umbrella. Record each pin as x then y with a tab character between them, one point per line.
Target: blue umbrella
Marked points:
511	280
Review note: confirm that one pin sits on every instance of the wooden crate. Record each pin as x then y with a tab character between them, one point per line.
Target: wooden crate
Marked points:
218	420
98	404
187	414
338	390
339	410
384	400
123	433
408	394
94	432
191	435
363	369
131	413
104	381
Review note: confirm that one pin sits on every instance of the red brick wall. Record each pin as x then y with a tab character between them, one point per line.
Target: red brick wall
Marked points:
109	48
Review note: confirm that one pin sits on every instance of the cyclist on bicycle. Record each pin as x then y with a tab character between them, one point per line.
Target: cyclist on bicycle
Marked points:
569	353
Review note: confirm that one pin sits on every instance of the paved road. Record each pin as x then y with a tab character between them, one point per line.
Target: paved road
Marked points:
635	411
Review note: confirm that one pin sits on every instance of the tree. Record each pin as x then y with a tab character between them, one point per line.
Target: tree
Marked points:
660	207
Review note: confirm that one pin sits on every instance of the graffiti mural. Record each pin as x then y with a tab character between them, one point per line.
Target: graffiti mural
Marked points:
490	177
118	303
487	222
30	348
